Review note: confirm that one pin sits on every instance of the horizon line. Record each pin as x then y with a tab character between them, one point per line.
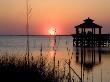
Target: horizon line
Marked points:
34	35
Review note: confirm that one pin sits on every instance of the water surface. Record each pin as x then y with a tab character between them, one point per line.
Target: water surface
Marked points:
92	64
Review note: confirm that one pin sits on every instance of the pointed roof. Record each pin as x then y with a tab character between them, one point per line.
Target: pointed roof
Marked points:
88	23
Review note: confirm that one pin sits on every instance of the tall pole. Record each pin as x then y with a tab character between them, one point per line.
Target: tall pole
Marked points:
28	13
54	51
82	53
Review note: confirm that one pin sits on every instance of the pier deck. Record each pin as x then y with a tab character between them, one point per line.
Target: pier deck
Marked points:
91	40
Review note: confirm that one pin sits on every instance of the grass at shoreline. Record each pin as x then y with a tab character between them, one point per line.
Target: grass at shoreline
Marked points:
13	69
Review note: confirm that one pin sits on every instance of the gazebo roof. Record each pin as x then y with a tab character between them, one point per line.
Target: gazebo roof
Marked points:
88	23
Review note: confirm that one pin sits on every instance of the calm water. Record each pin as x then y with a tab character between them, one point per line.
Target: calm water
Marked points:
92	63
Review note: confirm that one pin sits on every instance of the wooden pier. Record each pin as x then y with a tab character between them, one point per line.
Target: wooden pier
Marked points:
96	40
89	34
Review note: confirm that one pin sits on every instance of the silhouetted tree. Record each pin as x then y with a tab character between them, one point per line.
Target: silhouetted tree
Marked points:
28	14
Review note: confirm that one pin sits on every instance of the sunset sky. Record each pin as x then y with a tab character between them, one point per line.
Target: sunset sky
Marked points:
61	14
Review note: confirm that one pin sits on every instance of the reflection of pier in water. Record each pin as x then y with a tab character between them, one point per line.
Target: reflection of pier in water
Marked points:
89	34
88	58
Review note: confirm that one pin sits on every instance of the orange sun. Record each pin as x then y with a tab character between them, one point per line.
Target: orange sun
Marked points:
52	31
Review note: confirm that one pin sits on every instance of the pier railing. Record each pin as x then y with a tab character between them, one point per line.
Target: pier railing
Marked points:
91	40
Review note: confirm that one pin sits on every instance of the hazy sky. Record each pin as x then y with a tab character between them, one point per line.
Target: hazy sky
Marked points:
62	14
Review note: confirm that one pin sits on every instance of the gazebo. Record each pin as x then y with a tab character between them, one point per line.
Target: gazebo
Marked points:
88	24
88	33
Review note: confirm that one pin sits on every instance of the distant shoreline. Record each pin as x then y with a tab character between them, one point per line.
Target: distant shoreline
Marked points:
35	35
48	35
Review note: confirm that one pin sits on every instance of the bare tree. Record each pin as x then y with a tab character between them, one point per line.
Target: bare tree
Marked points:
28	14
